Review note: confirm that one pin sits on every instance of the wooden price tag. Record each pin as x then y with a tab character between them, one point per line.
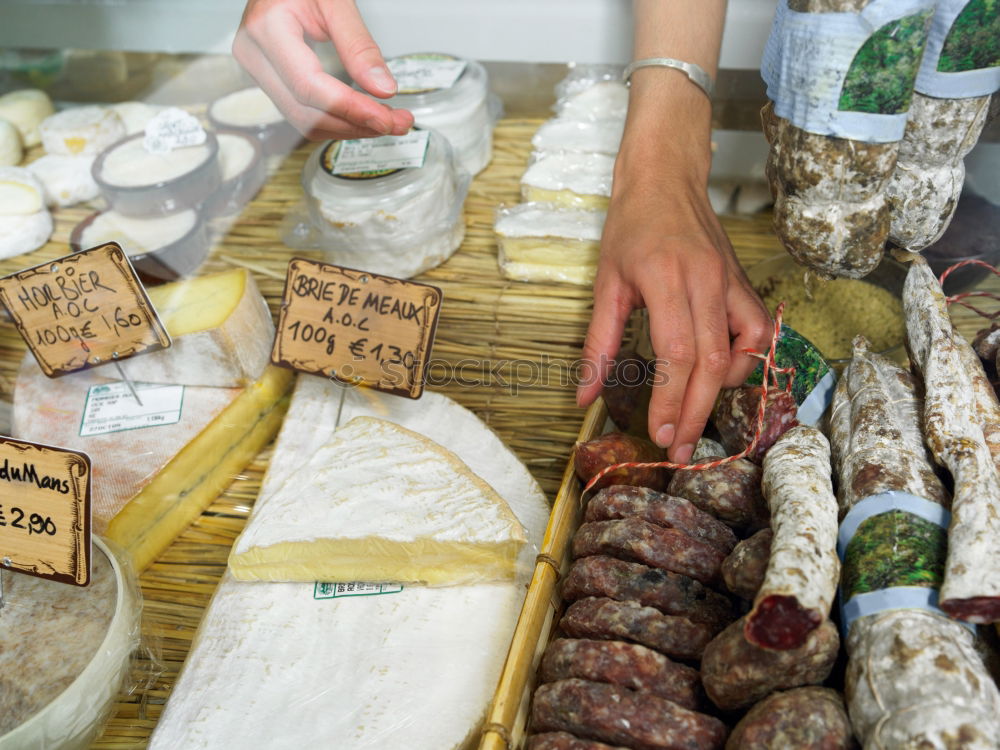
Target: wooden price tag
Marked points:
83	310
45	511
358	327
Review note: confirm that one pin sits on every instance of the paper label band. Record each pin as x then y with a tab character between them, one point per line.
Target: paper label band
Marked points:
848	75
962	58
893	546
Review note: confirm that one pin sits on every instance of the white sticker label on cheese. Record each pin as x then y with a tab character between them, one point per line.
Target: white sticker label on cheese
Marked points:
354	588
113	408
382	154
415	74
172	128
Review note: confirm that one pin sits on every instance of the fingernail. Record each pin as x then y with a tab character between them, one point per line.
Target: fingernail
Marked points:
665	436
683	454
382	78
378	126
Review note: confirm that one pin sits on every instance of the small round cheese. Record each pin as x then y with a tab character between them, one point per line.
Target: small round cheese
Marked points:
23	234
246	108
131	165
20	192
236	154
67	179
137	236
81	130
135	115
25	109
11	150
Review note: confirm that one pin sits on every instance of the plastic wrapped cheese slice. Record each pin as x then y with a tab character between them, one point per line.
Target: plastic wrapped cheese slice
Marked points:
81	130
381	503
601	101
587	136
571	179
67	179
25	233
359	672
11	149
221	329
25	109
546	242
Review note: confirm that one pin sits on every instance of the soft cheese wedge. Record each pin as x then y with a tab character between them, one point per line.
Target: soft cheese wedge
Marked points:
381	503
221	329
546	242
389	668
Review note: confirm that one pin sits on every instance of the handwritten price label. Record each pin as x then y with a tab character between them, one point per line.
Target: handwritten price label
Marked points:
357	327
45	511
83	310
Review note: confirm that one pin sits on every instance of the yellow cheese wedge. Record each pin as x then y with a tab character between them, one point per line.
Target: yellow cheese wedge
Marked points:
221	328
199	473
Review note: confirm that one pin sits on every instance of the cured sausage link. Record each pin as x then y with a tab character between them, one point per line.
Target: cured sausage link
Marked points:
803	571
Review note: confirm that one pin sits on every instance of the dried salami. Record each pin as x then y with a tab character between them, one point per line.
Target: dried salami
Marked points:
626	665
640	541
914	680
663	510
627	390
671	593
591	457
607	619
743	571
730	492
736	673
735	417
807	718
641	721
971	589
803	571
565	741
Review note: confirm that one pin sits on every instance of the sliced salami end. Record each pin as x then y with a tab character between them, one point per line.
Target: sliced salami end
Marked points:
980	610
779	622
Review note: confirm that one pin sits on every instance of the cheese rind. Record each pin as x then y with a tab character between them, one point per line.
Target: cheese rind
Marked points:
67	179
571	179
24	234
21	193
221	329
11	150
380	503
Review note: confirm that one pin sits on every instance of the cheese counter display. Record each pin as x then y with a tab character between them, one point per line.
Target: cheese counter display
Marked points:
324	564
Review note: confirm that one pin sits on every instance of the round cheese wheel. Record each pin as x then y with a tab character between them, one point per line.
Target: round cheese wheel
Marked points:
81	130
23	234
67	179
20	192
25	109
11	149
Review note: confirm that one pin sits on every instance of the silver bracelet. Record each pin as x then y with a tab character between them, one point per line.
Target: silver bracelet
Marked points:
693	71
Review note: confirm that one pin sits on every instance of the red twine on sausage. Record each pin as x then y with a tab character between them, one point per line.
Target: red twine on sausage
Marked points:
770	371
958	299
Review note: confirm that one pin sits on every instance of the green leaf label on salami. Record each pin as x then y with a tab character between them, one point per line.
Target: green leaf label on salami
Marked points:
880	79
812	380
894	549
962	59
973	42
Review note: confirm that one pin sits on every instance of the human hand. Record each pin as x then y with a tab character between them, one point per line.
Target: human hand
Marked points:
663	248
272	45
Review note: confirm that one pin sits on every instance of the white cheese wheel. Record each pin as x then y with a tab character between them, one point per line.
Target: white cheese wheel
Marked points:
11	149
64	654
20	192
131	165
25	109
135	115
67	179
137	236
236	154
246	108
81	130
23	234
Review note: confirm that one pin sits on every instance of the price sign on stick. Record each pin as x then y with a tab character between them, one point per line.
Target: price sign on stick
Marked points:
357	327
83	310
45	511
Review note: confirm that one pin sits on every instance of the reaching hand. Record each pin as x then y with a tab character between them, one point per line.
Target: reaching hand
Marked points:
272	44
664	249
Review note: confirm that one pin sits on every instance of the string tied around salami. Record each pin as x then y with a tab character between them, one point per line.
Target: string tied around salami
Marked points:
770	371
959	299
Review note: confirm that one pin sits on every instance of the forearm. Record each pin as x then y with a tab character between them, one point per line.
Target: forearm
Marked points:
669	118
